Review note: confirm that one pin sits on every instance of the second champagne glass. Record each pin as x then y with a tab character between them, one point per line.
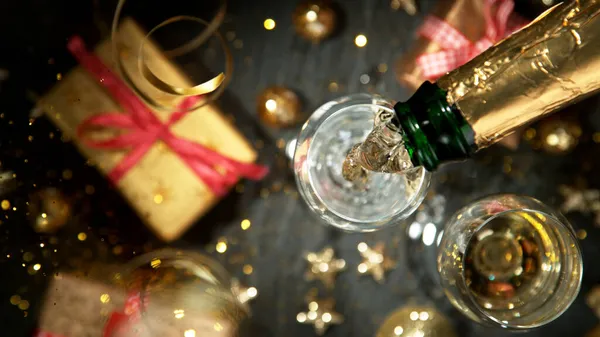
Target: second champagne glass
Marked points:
510	261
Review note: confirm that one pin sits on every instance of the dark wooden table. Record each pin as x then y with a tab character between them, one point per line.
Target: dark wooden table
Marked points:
282	228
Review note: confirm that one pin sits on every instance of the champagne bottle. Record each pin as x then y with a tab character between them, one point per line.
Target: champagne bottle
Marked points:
549	64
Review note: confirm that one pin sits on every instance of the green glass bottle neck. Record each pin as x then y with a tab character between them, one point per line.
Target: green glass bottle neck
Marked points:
434	131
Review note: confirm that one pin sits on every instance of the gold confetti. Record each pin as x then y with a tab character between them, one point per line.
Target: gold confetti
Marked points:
248	269
105	298
360	40
269	24
221	247
245	224
155	263
15	299
189	333
24	305
37	266
333	86
58	76
382	68
581	234
117	250
5	205
82	236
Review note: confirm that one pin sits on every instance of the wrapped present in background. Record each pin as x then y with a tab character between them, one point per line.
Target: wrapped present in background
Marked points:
454	33
171	172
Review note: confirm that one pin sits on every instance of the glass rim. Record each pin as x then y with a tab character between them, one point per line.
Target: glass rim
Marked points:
555	219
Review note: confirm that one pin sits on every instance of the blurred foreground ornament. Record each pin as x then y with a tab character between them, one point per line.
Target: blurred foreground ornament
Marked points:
315	20
321	315
374	261
278	107
555	135
49	210
417	321
409	6
324	266
584	201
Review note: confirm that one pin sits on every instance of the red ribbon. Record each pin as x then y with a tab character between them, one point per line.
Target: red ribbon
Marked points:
145	129
457	49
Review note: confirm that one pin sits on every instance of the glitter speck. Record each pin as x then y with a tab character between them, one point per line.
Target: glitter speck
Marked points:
221	247
245	224
24	305
158	199
189	333
179	313
155	263
81	236
360	40
269	24
105	298
248	269
37	266
15	299
58	76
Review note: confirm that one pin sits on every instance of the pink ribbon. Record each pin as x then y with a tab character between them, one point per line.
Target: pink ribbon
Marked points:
457	49
145	129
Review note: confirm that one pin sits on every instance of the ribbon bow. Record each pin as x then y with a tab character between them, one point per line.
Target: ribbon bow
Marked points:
457	49
145	129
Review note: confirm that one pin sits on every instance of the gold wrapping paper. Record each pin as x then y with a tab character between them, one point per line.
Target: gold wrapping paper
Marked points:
165	193
551	63
81	307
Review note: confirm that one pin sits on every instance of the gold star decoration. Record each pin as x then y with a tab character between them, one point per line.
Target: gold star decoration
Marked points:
580	200
244	294
324	266
374	261
409	6
321	315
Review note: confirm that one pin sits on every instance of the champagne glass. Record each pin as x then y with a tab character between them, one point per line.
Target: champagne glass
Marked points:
178	293
378	200
510	261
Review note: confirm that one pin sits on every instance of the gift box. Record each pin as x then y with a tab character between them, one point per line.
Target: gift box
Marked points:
76	306
164	181
455	32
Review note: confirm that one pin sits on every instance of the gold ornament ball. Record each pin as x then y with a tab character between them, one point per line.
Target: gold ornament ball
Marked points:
314	20
556	135
422	321
49	210
278	107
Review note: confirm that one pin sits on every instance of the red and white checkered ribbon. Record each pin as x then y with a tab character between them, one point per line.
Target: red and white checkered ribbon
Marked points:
457	49
118	321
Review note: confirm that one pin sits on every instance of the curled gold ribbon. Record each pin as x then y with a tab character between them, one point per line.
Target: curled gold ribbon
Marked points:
200	89
215	85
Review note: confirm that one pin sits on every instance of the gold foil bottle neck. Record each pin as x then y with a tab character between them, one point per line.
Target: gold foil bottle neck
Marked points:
549	64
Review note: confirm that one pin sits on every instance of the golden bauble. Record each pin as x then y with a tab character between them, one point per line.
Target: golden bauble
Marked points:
555	135
49	210
315	20
416	321
278	107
